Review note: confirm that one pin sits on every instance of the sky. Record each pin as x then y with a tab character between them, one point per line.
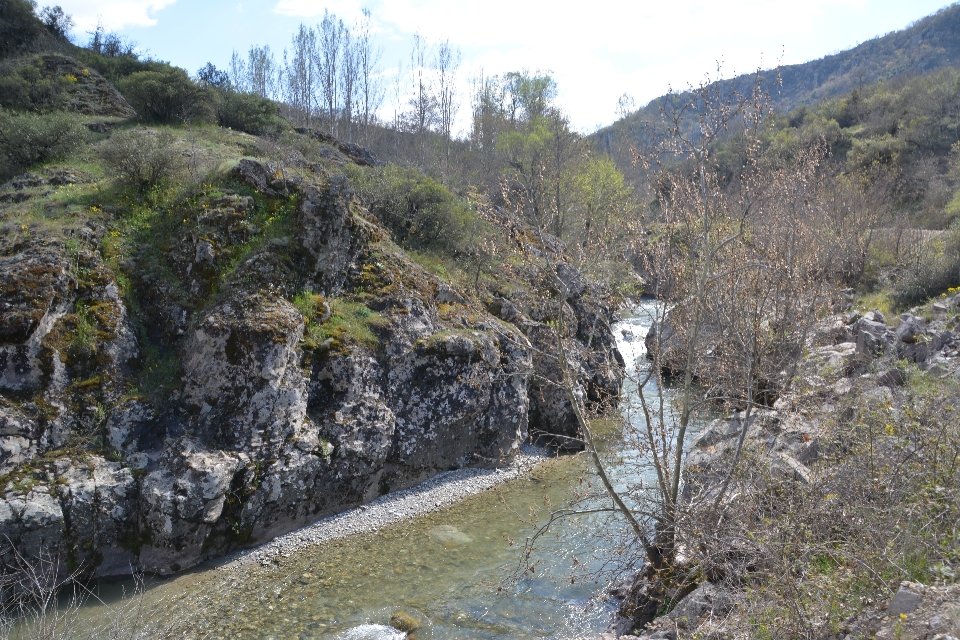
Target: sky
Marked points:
596	51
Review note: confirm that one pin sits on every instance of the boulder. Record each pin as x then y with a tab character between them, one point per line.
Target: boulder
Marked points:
33	525
180	503
268	178
128	423
277	496
459	397
911	328
241	374
706	599
875	338
330	235
347	403
356	153
34	295
551	414
99	502
19	437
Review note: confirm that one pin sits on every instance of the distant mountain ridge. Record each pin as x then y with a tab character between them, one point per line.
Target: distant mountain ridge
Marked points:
926	45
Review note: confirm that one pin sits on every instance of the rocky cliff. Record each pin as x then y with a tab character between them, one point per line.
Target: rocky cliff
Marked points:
227	384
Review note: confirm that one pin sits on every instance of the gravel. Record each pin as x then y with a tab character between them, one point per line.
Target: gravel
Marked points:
436	493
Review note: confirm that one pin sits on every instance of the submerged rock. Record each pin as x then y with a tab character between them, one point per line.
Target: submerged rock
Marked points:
404	621
373	632
448	535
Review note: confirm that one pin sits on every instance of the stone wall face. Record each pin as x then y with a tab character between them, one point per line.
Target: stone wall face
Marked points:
259	430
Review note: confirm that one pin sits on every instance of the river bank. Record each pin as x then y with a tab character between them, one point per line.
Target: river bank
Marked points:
444	565
840	520
440	552
429	496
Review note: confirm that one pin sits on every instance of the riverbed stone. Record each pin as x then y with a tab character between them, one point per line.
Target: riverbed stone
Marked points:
404	621
448	535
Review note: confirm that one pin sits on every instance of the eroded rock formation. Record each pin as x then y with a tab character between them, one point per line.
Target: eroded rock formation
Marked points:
189	408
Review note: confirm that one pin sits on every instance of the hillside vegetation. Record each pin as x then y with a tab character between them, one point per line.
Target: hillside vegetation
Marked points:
224	318
217	327
925	46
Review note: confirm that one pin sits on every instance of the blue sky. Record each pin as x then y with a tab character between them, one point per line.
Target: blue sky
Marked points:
596	51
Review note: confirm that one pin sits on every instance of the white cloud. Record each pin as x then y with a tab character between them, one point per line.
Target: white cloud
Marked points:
115	14
346	9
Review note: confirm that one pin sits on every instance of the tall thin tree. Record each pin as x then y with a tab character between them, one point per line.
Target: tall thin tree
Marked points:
368	57
300	76
331	32
446	62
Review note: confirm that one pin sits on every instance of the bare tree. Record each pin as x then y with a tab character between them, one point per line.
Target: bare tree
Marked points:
625	106
300	75
349	79
744	273
262	72
446	62
328	63
487	123
238	72
398	91
423	102
367	58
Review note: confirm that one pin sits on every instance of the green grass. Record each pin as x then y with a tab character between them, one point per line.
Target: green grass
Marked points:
349	323
83	343
436	264
308	304
881	301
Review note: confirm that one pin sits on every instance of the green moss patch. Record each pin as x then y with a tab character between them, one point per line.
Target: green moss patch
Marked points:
349	323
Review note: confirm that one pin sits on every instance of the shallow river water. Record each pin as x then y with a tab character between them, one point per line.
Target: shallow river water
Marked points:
454	571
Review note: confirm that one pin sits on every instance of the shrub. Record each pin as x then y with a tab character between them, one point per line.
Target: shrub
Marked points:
935	269
27	139
24	87
420	212
18	26
116	67
307	303
167	96
142	159
249	113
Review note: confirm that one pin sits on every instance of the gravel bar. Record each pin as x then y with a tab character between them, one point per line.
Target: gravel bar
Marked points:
431	495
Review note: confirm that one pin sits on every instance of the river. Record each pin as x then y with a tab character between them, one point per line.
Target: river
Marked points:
453	571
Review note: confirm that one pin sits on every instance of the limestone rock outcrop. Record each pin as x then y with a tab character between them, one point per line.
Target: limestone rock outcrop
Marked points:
238	384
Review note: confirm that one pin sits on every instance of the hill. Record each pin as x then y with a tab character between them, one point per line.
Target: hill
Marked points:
926	45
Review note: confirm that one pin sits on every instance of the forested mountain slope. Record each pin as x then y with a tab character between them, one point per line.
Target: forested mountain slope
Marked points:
927	45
